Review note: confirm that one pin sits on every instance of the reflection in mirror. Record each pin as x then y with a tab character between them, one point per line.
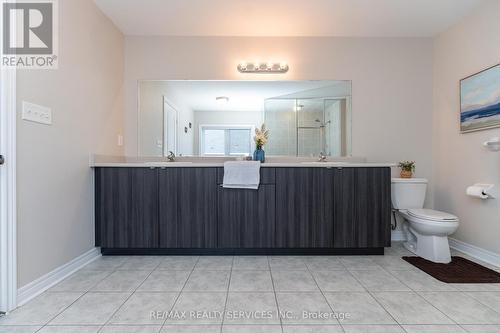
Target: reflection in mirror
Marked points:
304	118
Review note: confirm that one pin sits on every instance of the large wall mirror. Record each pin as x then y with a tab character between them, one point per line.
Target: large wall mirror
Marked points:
218	118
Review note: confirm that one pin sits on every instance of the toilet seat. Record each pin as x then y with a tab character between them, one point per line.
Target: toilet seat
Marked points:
432	215
432	227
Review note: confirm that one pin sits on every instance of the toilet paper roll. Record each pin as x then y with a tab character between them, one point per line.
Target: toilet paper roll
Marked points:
476	192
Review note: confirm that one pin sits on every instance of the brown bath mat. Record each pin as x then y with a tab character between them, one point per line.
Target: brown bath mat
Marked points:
459	270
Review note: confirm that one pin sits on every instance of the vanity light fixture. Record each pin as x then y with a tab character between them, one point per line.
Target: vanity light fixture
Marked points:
263	67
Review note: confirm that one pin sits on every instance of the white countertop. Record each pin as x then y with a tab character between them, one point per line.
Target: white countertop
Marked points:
263	165
200	162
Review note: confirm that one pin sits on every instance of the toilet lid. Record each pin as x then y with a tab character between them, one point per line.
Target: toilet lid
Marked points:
433	215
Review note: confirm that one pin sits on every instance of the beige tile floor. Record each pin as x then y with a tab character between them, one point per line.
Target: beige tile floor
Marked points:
258	294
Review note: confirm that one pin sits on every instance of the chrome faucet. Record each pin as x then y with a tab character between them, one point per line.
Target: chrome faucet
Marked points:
171	156
322	157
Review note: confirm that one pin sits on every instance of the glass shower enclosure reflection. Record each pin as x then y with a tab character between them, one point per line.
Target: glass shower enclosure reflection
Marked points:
308	126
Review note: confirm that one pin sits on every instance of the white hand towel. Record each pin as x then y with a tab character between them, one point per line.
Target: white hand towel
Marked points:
242	174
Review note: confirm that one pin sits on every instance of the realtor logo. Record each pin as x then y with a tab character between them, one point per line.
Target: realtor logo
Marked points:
29	38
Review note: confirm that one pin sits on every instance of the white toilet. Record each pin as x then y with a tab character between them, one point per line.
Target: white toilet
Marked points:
426	230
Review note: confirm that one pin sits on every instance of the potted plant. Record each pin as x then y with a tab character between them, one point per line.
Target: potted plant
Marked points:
260	138
407	168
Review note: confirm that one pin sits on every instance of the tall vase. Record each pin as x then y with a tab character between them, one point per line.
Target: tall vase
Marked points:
259	155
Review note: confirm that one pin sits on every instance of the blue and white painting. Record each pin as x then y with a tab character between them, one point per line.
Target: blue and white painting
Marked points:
480	100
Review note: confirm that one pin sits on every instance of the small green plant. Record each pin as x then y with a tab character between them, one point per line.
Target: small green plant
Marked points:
407	166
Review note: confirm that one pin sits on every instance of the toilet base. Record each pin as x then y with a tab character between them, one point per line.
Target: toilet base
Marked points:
432	248
410	246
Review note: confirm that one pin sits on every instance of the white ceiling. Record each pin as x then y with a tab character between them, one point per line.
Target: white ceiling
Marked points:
360	18
247	95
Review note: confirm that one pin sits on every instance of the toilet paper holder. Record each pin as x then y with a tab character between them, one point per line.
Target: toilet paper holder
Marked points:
492	144
482	191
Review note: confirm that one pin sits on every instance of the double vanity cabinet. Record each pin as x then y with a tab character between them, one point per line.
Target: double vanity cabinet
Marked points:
296	210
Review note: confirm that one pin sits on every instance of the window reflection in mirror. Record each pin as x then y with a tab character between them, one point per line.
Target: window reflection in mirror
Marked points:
218	118
226	140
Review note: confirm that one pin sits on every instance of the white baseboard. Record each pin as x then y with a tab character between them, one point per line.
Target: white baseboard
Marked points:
397	236
475	252
35	288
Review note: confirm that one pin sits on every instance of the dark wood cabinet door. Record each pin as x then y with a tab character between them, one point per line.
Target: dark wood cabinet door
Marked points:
304	213
372	209
246	218
188	207
345	228
126	207
362	207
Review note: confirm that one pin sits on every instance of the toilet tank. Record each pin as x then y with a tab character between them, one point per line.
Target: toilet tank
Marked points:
407	193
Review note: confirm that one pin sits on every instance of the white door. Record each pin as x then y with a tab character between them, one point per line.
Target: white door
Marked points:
3	258
8	268
169	128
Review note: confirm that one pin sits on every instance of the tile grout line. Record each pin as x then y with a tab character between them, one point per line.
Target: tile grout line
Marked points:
227	295
411	290
478	300
131	294
467	296
376	300
180	292
84	293
61	311
416	293
275	295
86	270
422	297
321	291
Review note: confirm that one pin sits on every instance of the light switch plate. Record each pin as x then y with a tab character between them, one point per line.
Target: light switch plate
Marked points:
37	113
120	140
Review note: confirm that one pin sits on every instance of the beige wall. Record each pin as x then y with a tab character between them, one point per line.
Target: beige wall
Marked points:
391	82
54	184
468	47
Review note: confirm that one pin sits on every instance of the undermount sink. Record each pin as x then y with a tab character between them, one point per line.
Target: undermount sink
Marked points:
167	162
326	162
